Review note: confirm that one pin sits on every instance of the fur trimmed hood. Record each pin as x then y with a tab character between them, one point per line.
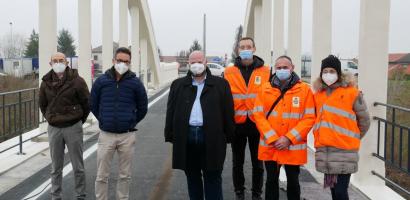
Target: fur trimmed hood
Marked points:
347	80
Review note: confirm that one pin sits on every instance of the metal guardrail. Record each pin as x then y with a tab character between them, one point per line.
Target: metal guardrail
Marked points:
391	182
390	132
19	111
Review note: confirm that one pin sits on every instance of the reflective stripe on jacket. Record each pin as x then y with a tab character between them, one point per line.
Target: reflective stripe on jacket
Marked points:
336	123
244	95
293	117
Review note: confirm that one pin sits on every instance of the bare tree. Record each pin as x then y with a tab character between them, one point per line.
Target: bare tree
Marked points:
195	46
12	46
238	36
182	57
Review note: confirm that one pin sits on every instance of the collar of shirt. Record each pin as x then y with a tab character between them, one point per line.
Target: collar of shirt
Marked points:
278	83
194	82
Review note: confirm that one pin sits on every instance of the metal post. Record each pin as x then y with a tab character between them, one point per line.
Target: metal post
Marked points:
4	116
395	185
385	140
11	38
408	148
30	123
401	146
25	115
378	137
20	129
304	66
204	35
15	118
34	104
393	126
9	119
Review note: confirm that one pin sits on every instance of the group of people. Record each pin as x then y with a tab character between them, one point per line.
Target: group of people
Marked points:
269	108
272	110
118	100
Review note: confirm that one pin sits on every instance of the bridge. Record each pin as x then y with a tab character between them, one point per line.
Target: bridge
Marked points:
26	176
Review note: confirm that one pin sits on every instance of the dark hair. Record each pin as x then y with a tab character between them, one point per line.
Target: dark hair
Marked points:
247	38
285	57
122	50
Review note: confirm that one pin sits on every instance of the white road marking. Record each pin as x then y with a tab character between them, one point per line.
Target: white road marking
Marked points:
45	186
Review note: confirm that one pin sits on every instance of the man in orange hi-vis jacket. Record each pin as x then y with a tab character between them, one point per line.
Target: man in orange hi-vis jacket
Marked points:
284	113
245	79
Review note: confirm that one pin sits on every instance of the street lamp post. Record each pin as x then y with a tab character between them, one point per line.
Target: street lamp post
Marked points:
11	38
11	31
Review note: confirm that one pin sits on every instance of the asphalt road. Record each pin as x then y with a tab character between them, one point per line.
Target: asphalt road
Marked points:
152	176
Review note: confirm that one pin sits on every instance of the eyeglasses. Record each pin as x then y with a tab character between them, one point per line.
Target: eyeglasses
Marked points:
58	61
123	61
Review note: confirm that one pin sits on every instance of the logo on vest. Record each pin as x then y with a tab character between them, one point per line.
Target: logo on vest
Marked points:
258	80
296	102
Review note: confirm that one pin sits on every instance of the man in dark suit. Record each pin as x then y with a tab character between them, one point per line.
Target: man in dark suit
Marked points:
200	123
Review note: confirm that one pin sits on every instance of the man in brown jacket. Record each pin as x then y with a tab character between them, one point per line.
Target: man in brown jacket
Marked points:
64	103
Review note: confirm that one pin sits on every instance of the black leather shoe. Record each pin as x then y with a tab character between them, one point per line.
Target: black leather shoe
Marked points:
239	195
256	197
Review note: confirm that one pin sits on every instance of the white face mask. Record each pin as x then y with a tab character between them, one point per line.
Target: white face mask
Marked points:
329	78
121	67
197	68
59	67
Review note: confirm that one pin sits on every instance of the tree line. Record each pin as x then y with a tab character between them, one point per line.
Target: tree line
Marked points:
17	46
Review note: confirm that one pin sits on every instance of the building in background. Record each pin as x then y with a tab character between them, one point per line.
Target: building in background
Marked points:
19	67
399	63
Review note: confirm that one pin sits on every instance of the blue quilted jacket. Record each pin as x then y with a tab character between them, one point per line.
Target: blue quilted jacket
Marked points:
118	105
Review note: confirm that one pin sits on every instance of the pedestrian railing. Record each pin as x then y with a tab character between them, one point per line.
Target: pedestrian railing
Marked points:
19	111
394	149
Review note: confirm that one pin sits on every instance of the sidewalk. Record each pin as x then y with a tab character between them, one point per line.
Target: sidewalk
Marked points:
312	189
147	175
31	148
15	168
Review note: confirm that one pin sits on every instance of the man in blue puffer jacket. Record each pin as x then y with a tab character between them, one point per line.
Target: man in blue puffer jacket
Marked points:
119	101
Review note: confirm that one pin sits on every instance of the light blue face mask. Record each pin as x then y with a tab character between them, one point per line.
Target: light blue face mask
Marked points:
283	74
246	54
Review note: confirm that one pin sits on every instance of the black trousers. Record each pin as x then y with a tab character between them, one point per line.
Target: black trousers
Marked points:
272	181
201	183
244	133
339	191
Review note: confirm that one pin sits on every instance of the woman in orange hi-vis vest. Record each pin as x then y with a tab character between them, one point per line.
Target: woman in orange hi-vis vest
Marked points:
284	113
342	120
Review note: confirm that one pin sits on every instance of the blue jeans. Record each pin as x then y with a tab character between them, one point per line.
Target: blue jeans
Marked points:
339	191
198	178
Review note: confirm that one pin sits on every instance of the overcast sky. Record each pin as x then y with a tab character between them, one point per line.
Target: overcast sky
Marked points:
178	22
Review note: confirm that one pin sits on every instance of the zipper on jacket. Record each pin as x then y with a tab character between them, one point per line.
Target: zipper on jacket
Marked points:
116	107
249	80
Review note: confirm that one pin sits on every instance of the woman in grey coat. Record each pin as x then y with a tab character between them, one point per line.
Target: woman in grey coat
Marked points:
342	119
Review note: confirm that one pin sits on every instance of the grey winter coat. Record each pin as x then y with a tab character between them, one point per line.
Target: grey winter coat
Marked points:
331	160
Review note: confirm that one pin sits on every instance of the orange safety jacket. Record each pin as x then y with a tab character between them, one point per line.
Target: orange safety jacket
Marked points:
244	95
336	123
293	117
